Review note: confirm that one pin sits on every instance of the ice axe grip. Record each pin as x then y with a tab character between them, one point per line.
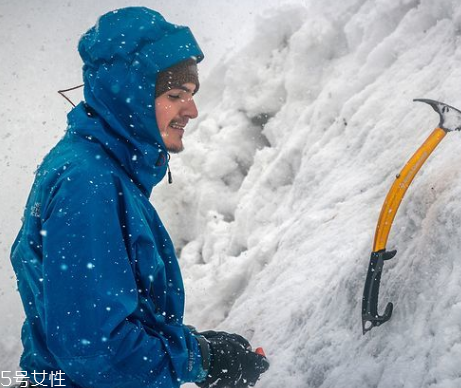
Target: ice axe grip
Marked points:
370	316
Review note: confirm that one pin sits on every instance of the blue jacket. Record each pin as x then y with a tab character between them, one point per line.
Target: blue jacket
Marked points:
96	269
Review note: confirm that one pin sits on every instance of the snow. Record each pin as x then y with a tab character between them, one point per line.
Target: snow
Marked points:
302	129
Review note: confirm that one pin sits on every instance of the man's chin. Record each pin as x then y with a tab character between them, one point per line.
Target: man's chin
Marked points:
175	149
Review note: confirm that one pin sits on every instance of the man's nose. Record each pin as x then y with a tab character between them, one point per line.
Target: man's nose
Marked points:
189	108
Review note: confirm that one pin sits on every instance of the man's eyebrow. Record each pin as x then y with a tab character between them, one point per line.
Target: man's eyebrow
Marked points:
185	88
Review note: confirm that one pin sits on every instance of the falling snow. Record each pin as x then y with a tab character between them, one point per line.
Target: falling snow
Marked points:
301	132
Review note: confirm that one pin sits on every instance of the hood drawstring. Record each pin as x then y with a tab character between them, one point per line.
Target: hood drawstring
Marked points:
170	177
61	92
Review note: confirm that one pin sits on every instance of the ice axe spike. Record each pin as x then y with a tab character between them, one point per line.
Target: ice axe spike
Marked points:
450	120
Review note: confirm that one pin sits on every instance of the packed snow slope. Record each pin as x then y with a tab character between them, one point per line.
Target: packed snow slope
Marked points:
276	197
278	193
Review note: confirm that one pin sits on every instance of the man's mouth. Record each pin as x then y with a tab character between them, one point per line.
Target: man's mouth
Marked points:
176	125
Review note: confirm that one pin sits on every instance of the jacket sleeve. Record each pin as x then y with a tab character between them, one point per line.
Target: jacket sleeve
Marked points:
90	291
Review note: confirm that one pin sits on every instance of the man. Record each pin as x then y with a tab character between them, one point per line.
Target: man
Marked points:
96	270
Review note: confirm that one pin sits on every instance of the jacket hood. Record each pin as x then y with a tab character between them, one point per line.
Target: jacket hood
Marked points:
123	54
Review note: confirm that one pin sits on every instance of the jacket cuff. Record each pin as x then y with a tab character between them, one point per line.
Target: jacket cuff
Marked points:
198	360
205	355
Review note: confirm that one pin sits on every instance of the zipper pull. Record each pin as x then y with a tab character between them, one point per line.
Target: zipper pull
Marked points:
170	177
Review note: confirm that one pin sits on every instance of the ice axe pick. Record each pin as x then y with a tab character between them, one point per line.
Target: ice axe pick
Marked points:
450	120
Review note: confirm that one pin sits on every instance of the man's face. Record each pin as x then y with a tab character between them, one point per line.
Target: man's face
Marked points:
173	109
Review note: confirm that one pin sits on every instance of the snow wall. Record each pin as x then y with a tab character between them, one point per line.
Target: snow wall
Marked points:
276	197
279	190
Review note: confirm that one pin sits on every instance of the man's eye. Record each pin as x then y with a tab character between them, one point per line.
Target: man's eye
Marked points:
174	96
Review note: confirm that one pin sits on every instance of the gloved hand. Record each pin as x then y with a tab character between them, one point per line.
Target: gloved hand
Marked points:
232	363
215	334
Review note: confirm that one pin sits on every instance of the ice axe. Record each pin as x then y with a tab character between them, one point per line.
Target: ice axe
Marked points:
450	120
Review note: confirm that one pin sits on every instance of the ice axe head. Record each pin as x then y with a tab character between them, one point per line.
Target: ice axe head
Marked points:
450	118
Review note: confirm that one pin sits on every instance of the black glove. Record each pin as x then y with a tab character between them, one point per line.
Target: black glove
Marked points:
222	334
211	333
232	363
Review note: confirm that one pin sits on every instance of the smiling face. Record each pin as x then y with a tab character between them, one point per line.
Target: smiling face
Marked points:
173	110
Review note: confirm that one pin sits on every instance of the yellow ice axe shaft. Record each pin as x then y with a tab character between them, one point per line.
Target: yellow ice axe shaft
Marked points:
450	120
398	189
